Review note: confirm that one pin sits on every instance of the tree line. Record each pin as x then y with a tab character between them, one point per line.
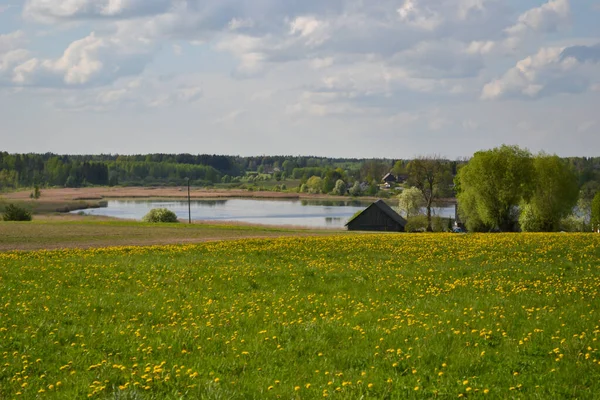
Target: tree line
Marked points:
27	170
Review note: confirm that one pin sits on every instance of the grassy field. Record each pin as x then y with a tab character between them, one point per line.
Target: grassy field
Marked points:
83	232
356	316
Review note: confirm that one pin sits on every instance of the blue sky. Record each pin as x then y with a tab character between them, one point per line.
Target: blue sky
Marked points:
383	78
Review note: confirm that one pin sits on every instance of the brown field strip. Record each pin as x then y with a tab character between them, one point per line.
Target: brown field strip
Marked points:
54	234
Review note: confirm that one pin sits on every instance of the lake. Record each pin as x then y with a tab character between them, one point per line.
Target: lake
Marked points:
301	213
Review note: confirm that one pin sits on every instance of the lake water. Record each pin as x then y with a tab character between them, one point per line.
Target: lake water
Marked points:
302	213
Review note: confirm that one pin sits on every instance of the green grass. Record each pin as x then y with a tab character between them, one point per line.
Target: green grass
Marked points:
357	316
51	207
49	234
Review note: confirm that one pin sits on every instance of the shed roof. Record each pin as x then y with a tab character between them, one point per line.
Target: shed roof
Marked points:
387	210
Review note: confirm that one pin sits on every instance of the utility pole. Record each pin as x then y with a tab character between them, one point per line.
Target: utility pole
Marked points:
189	203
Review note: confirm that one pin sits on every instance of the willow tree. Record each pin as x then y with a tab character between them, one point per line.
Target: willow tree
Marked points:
492	186
410	202
554	197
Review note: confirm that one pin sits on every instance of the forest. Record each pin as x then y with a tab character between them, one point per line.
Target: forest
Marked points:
53	170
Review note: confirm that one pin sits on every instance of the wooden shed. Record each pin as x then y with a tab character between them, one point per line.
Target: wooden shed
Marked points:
378	217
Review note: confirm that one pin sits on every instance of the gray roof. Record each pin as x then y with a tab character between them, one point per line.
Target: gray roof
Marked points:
382	205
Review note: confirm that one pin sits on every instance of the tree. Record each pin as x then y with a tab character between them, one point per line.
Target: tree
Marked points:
596	213
399	168
555	195
586	196
331	178
36	192
410	202
288	167
374	170
314	184
340	188
492	185
355	190
428	175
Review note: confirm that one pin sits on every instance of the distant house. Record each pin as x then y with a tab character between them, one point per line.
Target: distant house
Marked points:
401	178
389	178
378	217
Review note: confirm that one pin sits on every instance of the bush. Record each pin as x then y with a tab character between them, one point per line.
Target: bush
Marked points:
382	194
439	224
418	223
16	213
573	223
160	215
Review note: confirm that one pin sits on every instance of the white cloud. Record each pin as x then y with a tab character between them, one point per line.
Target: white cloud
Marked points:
469	7
550	71
324	104
11	52
530	25
441	59
134	93
249	51
481	47
12	40
52	10
93	60
229	118
419	16
547	18
321	63
239	23
313	30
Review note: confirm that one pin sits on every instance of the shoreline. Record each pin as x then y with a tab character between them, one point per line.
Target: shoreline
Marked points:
66	200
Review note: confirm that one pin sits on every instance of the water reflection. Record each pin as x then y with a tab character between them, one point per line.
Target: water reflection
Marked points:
306	213
335	203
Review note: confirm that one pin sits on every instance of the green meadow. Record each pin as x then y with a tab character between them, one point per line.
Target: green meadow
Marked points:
347	316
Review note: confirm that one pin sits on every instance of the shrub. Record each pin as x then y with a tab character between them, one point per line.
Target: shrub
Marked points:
382	194
16	213
574	223
160	215
439	224
418	223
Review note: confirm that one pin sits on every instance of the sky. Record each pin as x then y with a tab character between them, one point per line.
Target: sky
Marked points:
343	78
